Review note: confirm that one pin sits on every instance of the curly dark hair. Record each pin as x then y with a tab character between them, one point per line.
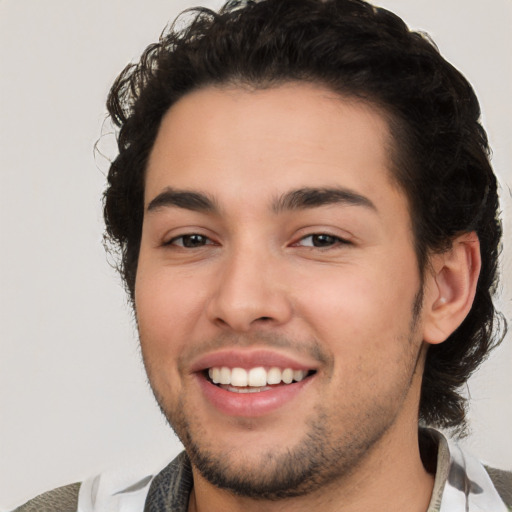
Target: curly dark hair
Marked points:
440	155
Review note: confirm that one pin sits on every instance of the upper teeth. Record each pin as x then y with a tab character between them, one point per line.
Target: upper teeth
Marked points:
256	377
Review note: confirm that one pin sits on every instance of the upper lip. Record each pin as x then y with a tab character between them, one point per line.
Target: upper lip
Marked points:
237	358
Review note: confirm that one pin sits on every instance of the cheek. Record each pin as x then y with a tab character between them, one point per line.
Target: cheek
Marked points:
366	326
361	311
167	308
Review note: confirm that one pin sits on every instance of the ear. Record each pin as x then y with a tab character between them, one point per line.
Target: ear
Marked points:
450	287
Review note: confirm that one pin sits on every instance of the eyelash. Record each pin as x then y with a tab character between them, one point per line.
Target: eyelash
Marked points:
189	236
332	241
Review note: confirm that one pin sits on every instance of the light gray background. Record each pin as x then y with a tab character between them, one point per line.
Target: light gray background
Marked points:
73	396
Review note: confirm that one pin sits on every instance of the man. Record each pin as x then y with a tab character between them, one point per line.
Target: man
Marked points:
307	220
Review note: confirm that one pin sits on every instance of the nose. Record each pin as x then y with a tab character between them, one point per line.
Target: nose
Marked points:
250	292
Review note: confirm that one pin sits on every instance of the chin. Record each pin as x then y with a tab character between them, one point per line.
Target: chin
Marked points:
308	463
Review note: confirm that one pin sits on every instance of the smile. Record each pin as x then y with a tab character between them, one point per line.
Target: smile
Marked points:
252	382
241	380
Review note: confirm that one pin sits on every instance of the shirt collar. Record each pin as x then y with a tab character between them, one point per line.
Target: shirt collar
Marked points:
461	482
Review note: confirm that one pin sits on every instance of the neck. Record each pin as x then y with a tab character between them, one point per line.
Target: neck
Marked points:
391	474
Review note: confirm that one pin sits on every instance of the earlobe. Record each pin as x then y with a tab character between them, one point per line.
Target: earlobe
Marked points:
450	287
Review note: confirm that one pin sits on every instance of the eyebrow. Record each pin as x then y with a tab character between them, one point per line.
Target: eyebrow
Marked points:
299	199
195	201
304	198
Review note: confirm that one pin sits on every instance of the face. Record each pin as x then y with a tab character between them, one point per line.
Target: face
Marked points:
276	287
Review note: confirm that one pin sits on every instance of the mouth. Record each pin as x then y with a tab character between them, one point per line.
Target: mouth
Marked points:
255	382
256	379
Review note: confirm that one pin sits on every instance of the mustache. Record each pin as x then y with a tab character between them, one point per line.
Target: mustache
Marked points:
266	340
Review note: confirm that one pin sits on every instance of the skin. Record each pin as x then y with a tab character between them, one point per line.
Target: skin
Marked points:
254	280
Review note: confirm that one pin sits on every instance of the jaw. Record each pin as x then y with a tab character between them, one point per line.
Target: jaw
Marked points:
319	468
321	444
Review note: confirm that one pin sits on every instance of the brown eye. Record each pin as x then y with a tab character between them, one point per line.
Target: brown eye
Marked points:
190	241
321	240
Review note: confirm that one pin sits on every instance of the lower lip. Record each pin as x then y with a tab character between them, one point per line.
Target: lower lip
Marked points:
250	405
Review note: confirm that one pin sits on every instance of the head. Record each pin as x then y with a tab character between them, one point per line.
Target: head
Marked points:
437	149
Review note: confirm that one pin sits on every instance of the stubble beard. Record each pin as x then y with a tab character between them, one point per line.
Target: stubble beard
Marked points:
319	459
315	462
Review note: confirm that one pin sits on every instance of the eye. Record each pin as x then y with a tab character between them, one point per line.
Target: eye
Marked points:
321	240
191	241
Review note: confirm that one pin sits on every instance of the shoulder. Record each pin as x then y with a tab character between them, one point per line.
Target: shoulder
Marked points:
114	490
502	481
62	499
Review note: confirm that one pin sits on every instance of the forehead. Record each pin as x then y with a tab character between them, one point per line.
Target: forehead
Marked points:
236	143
